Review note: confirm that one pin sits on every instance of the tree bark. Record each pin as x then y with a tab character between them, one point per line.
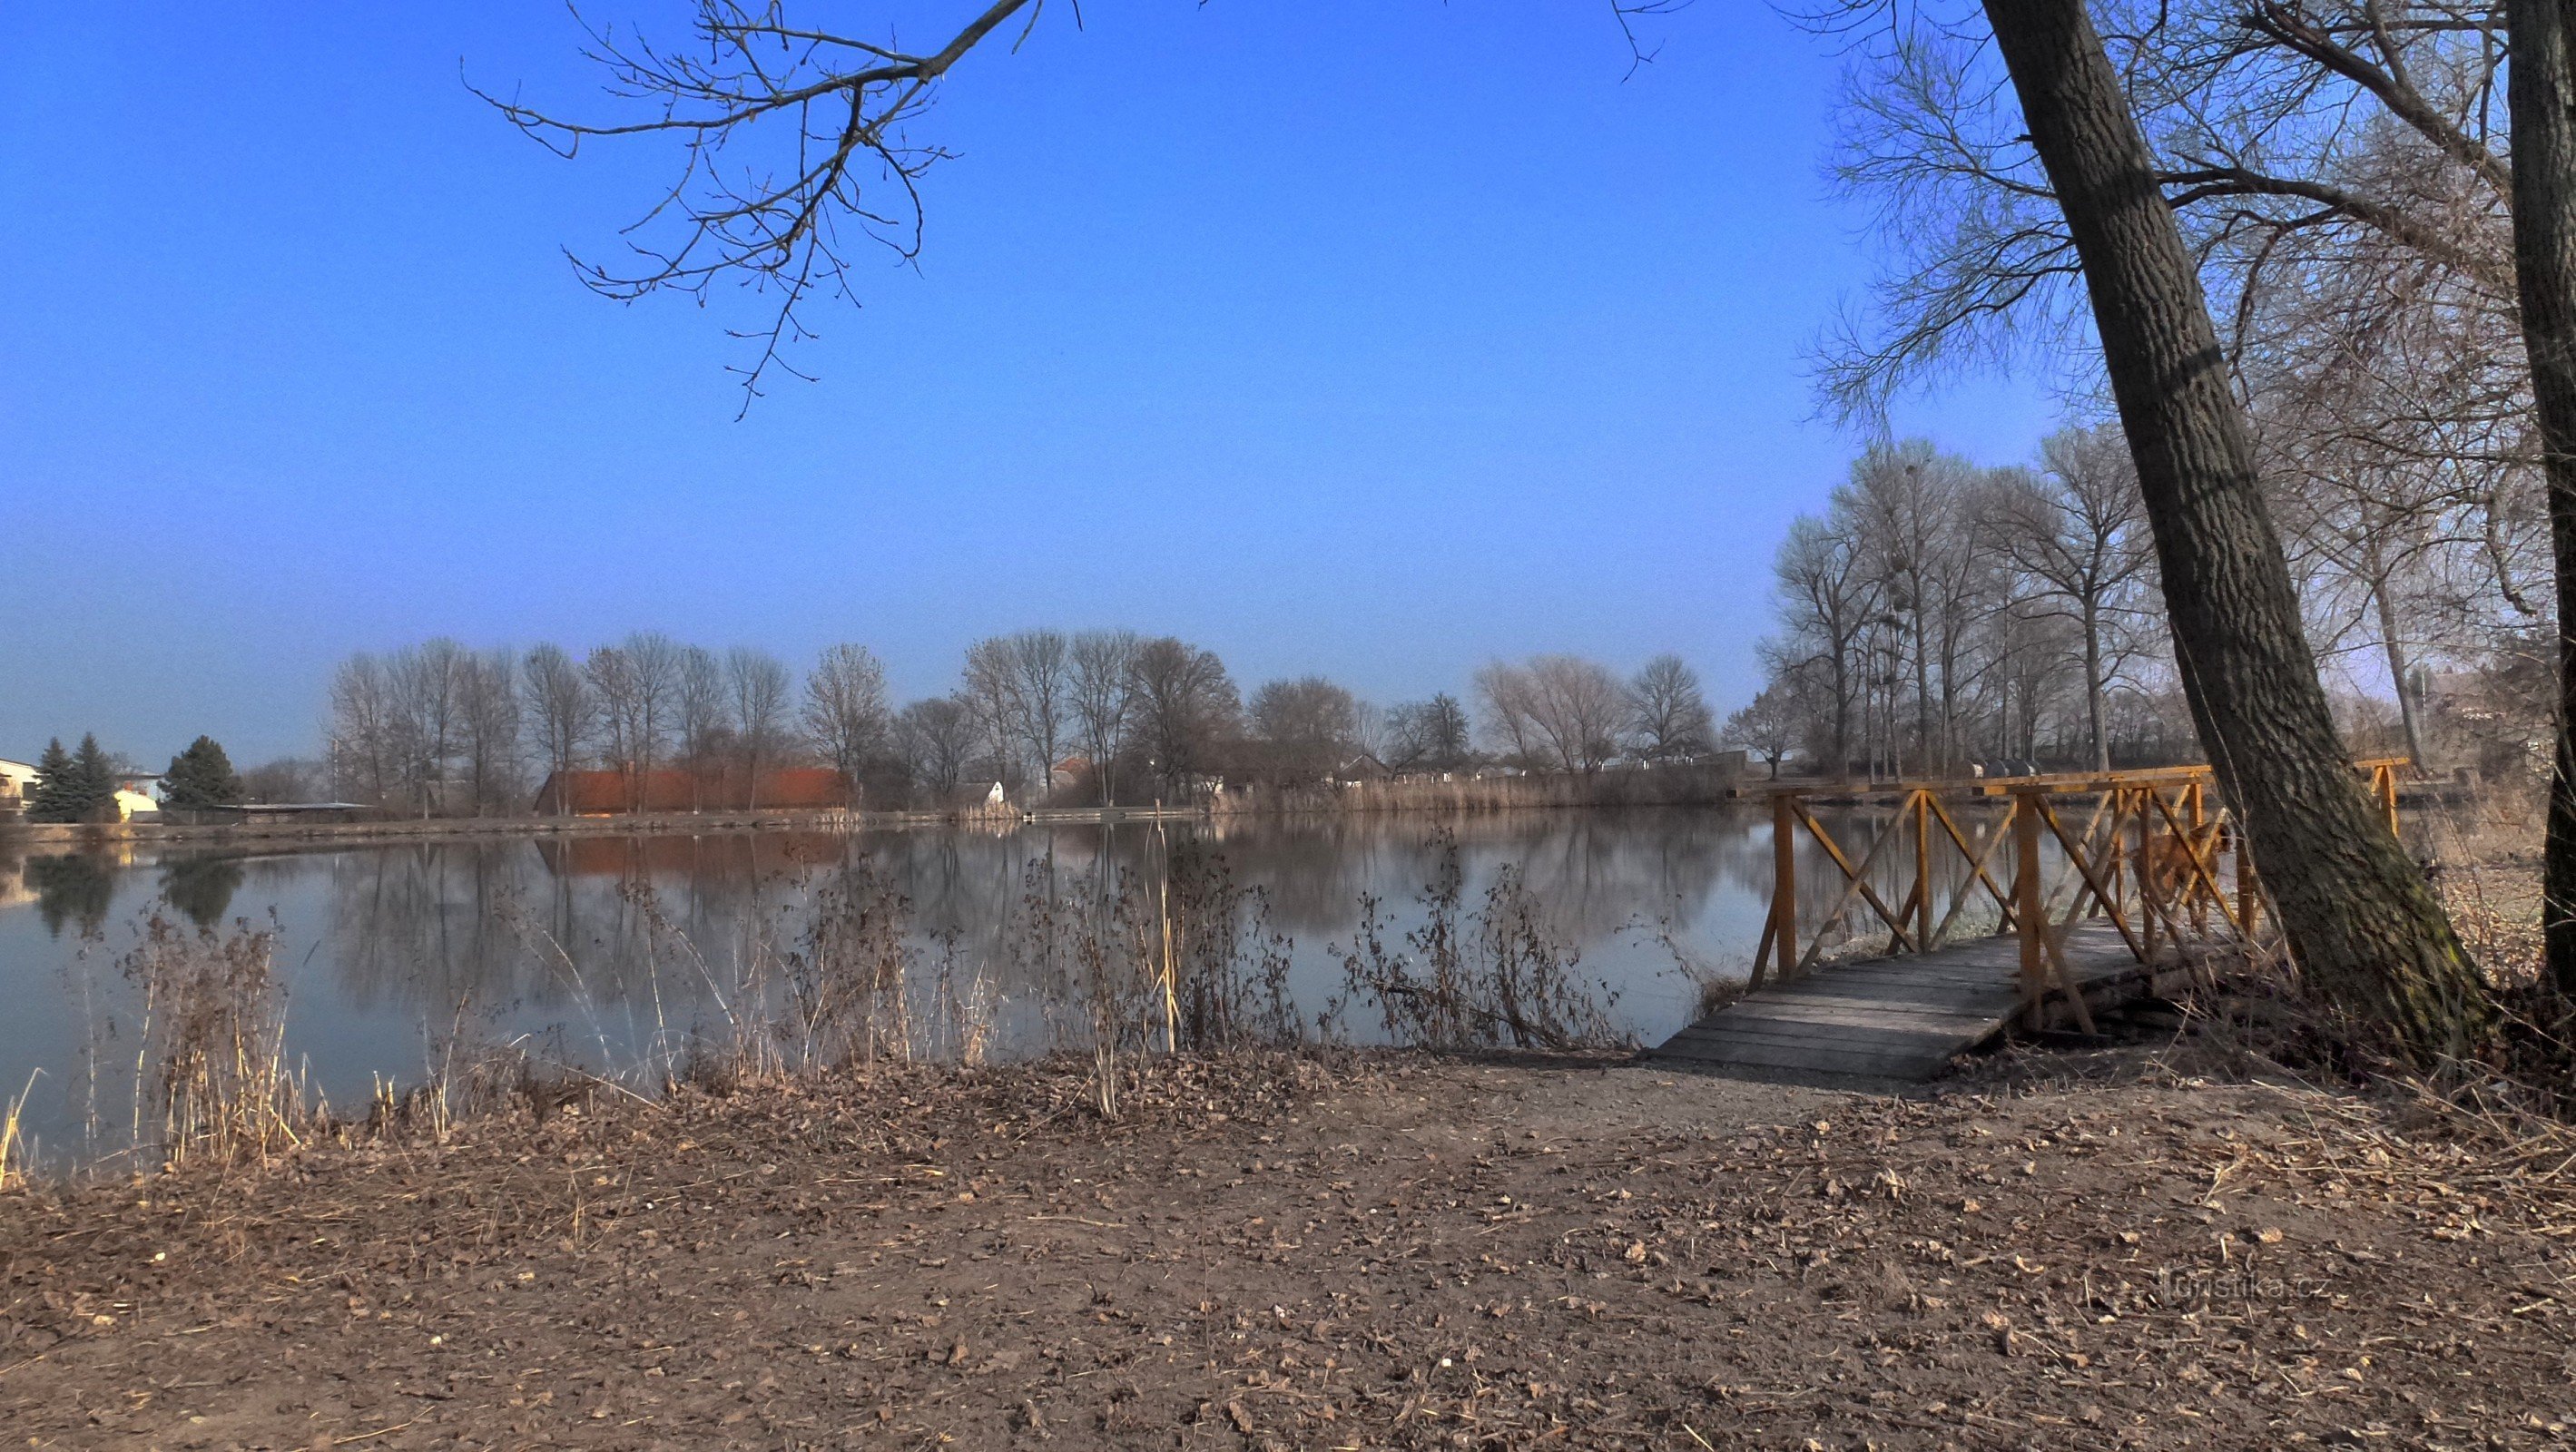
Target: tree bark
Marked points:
2542	95
2360	921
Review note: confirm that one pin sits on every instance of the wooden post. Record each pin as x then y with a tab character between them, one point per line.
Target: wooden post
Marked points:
2030	913
2197	814
1784	885
2387	784
2147	875
1923	871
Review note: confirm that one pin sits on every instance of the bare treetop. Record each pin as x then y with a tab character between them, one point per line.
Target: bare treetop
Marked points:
793	149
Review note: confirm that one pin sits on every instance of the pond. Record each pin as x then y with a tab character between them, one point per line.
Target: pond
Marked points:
625	955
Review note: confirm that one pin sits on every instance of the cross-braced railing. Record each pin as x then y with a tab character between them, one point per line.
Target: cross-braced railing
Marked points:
2154	856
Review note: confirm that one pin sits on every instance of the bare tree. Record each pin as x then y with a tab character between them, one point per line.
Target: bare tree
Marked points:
489	687
1041	663
936	739
2366	928
1186	708
1427	735
1667	714
1102	698
428	698
700	702
1307	727
364	750
1557	710
828	109
988	686
611	678
1768	725
2078	534
287	779
757	684
560	707
1827	603
636	682
845	711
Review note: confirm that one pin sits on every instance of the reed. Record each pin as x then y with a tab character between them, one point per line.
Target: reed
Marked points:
16	1156
211	1067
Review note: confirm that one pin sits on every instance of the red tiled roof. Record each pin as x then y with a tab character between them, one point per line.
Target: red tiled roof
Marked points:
673	789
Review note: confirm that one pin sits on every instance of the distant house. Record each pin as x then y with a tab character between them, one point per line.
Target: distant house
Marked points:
1361	768
138	796
672	789
17	778
1068	773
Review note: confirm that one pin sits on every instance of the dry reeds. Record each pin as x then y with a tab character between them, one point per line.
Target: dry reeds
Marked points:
15	1154
211	1066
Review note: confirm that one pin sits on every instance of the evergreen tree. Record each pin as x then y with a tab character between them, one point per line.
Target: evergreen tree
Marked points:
77	786
201	776
97	777
55	796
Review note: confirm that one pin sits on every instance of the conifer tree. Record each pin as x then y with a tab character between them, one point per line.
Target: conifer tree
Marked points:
201	776
94	782
53	796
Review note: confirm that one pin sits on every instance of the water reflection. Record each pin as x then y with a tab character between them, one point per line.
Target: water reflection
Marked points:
595	947
71	890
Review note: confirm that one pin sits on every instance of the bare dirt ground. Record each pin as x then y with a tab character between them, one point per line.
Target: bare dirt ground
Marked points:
1344	1253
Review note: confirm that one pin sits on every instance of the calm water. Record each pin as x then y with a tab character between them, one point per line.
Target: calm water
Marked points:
588	950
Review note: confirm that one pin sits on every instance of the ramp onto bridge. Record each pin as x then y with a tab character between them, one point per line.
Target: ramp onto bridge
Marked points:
1897	1018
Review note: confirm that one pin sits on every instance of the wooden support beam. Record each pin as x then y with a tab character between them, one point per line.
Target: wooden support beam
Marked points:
1784	881
2033	920
1922	872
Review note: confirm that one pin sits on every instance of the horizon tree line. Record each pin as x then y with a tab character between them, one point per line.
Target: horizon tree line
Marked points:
441	729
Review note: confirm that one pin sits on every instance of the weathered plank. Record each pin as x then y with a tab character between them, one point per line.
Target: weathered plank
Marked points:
1901	1017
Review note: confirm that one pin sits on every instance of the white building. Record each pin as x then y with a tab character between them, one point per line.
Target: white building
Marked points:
17	779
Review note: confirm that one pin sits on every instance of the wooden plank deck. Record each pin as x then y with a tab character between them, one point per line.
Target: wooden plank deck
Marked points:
1900	1017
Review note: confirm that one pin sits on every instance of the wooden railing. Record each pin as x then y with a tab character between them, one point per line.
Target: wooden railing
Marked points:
2154	857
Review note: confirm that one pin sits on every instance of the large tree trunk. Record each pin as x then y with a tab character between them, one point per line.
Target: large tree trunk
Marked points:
2542	90
2363	926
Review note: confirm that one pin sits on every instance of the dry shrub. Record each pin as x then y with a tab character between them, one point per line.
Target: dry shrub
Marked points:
1501	977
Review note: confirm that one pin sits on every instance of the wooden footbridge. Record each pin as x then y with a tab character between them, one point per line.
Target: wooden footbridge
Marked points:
2117	908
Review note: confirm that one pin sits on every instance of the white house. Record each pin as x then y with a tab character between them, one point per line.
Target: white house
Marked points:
138	796
17	779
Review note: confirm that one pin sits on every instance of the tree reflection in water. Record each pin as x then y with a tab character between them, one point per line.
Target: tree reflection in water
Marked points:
607	949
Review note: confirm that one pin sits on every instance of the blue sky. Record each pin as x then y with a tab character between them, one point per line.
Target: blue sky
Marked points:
1370	337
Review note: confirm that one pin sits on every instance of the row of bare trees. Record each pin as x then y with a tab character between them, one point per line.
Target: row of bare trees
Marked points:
1565	713
1937	614
441	729
1099	715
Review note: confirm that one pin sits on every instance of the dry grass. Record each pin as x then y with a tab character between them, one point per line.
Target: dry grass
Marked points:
14	1153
